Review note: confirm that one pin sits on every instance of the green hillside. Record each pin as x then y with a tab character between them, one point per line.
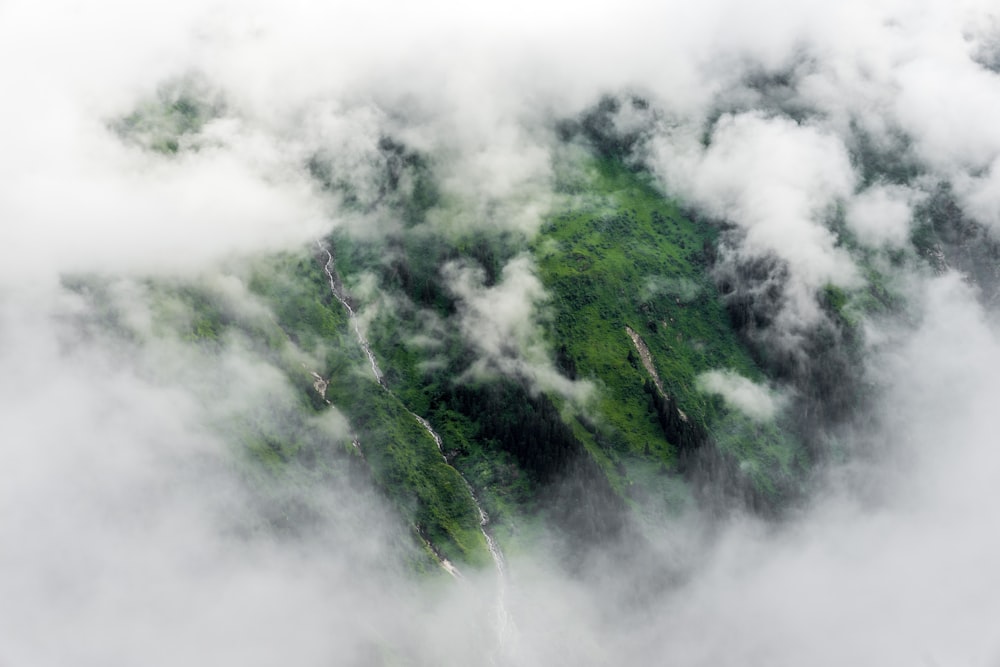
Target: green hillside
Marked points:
615	257
626	258
587	416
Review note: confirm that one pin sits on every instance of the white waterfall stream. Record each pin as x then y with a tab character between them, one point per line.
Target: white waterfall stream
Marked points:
504	625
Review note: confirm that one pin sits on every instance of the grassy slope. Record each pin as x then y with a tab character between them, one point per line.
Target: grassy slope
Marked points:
621	256
625	256
308	324
421	369
402	456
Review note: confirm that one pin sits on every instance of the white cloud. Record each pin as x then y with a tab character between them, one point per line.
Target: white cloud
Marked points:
980	196
776	179
881	215
753	400
127	510
502	323
130	538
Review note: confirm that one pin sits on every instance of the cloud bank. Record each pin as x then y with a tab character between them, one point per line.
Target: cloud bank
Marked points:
132	536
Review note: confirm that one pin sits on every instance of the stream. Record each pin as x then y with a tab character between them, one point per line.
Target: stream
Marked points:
503	622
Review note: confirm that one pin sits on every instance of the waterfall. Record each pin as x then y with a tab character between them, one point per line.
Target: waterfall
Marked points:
503	622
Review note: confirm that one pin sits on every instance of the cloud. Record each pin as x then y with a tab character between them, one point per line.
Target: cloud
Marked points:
980	195
502	323
949	136
127	510
133	534
741	393
868	577
88	202
881	216
776	180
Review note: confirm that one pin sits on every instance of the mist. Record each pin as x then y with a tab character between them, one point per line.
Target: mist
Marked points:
135	529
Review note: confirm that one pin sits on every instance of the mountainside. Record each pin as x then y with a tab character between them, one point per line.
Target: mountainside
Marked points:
579	381
504	388
455	334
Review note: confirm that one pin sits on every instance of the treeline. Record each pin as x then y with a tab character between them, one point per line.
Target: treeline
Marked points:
600	127
525	425
824	367
576	492
680	431
948	238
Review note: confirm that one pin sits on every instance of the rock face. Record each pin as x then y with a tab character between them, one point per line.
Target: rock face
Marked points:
678	429
647	360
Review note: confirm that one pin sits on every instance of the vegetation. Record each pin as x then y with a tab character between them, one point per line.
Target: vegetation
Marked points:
402	456
632	312
626	257
616	256
172	119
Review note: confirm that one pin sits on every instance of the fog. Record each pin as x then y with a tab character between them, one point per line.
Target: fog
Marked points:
134	530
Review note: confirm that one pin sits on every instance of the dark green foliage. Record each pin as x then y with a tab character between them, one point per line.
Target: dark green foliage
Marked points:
415	269
824	366
601	128
403	181
635	261
677	428
948	238
886	157
178	113
525	425
753	291
403	458
408	177
586	508
624	257
406	462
